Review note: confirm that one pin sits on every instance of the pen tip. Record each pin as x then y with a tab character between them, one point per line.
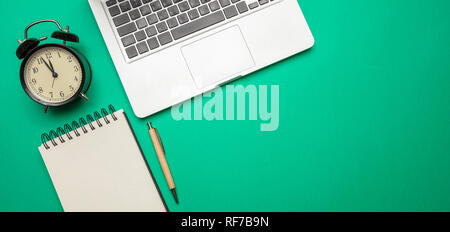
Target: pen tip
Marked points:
174	193
149	125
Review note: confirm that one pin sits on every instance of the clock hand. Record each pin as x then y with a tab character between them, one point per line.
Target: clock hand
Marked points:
51	65
50	68
45	62
54	74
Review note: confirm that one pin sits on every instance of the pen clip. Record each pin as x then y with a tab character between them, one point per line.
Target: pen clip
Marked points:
160	142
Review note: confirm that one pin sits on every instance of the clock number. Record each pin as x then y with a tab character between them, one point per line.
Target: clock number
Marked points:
76	78
48	55
35	69
33	81
51	94
75	68
61	94
40	90
71	88
59	55
69	59
39	60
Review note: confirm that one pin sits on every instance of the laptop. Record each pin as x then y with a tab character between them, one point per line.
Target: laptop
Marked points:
168	51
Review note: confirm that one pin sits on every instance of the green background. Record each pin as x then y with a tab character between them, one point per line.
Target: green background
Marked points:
364	117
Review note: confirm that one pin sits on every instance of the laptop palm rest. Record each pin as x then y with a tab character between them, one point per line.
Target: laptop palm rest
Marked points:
217	57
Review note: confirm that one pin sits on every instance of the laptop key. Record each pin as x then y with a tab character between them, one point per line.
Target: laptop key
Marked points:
172	22
145	10
162	14
224	3
131	52
177	1
121	19
214	6
128	40
142	47
203	10
141	23
193	14
146	1
253	5
165	38
156	5
194	3
136	3
152	19
113	11
110	2
205	1
262	2
151	31
173	10
125	6
134	14
183	18
126	29
140	35
166	3
153	43
184	6
162	26
198	24
242	7
230	11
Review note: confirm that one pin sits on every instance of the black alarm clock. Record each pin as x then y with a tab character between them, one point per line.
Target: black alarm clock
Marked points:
53	74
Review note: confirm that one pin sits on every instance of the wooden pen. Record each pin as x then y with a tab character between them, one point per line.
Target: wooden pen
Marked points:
159	149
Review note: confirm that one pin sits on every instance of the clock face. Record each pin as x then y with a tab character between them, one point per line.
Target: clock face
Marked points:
53	74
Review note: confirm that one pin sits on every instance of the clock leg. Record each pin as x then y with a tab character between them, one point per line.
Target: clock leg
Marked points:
84	96
46	109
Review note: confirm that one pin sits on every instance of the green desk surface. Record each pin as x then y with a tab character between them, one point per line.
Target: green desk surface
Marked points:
364	117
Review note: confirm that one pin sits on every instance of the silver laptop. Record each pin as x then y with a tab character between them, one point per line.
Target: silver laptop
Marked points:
167	51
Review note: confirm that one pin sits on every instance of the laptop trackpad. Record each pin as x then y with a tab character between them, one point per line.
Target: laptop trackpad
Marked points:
217	57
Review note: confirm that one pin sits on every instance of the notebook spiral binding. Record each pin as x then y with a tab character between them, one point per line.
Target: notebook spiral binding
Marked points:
82	123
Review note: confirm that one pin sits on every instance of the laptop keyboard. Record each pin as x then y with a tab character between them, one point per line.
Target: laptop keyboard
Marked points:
146	25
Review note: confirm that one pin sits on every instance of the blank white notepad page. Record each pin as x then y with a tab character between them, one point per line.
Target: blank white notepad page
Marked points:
102	170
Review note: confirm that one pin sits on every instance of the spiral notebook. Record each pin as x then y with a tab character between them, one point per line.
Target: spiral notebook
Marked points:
96	164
